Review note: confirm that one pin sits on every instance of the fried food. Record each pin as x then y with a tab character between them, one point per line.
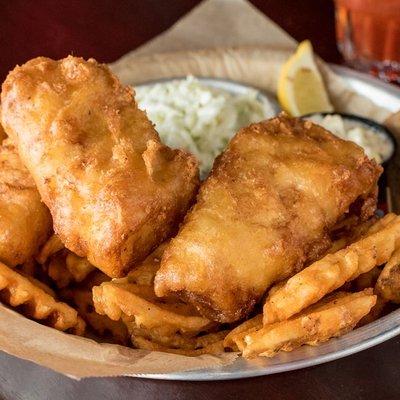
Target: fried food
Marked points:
3	134
57	270
350	234
235	338
52	246
208	344
367	279
388	284
264	212
332	317
25	222
167	322
114	190
37	301
28	268
332	271
172	340
79	267
377	311
134	297
63	266
81	297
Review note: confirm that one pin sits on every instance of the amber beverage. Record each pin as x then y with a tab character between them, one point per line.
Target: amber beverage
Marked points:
368	36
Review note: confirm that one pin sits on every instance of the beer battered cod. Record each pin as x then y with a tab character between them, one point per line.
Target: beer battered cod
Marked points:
114	190
25	222
267	209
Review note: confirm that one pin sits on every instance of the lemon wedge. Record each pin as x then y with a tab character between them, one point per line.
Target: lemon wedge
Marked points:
301	89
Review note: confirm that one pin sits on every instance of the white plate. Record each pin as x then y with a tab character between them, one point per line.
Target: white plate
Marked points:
385	328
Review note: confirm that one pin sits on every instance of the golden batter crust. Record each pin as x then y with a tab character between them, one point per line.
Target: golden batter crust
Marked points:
264	212
114	190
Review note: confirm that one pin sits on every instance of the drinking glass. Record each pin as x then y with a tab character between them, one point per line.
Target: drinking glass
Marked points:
368	36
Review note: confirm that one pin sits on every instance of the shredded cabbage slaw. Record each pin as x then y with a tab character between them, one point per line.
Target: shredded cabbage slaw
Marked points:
199	118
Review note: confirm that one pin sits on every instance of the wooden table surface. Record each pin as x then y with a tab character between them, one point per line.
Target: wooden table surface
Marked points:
106	30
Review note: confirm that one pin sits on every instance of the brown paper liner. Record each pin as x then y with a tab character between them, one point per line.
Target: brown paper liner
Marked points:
80	357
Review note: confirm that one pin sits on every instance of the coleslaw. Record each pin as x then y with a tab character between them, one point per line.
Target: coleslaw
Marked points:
199	118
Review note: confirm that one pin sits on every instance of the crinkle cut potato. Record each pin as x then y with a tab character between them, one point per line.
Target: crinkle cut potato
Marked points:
37	301
331	318
25	222
265	211
65	267
234	339
52	246
81	297
388	284
163	324
61	265
334	270
113	189
211	343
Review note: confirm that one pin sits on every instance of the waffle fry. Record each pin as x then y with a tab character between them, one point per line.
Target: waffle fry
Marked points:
352	234
95	278
28	268
78	267
331	317
40	285
52	246
65	267
367	280
57	270
133	299
334	270
166	316
235	338
112	331
382	223
174	340
38	301
377	311
388	284
200	346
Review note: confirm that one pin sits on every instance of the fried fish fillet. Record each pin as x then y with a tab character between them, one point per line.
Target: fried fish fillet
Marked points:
113	189
25	222
265	211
